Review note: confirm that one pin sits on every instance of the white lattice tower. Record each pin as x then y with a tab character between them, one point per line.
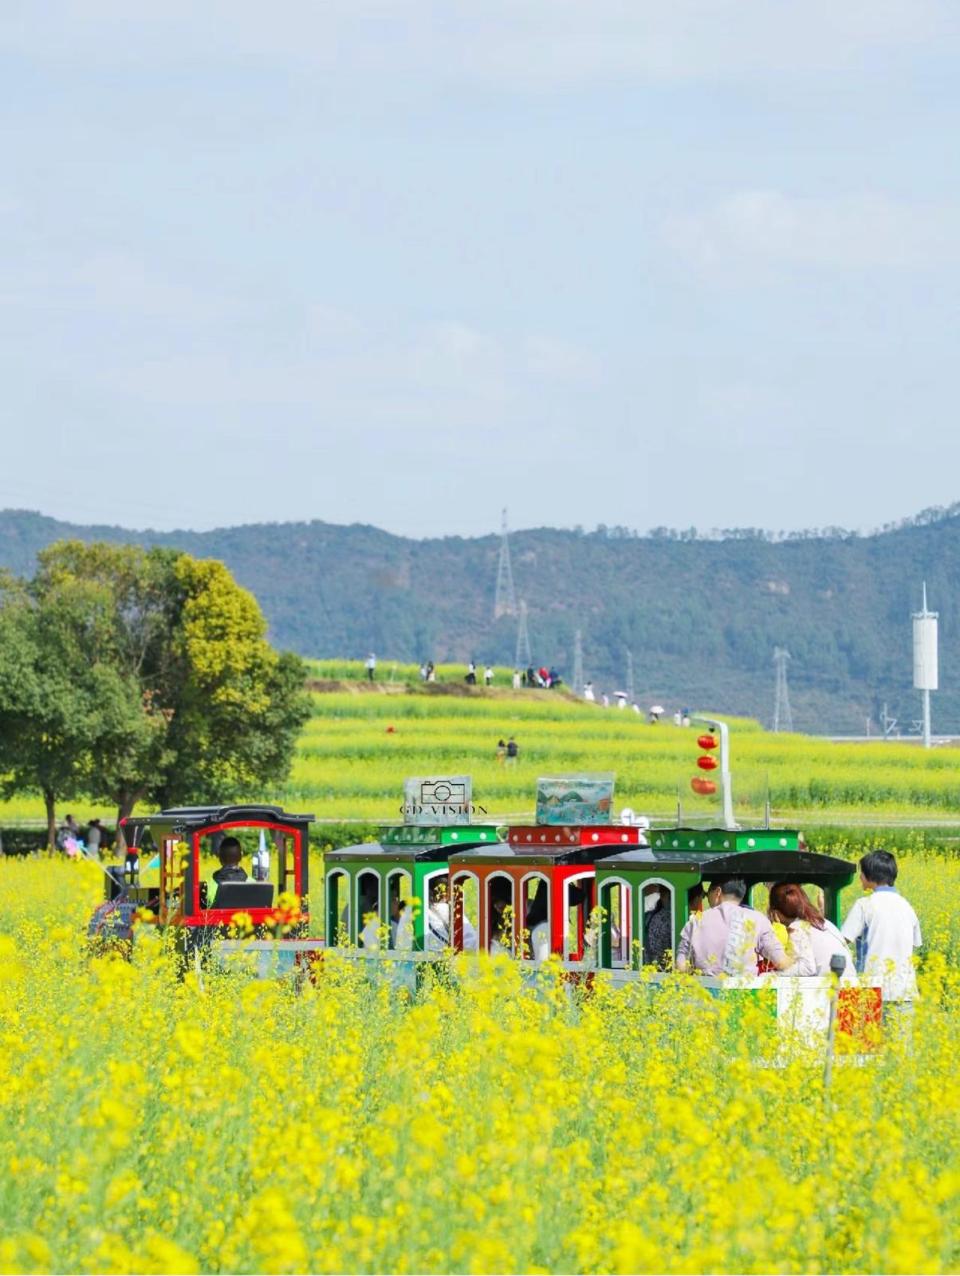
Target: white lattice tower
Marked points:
782	713
505	598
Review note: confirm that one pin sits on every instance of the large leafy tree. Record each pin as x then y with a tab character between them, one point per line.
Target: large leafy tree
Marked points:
166	688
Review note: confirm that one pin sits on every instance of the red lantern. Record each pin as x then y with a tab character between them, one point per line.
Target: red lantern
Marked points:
704	787
706	741
706	763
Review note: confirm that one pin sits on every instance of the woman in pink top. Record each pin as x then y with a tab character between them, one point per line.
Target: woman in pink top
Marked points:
809	929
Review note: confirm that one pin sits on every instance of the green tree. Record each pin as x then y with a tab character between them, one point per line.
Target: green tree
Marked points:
147	676
49	690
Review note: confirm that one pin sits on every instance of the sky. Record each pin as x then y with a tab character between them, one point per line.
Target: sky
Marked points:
692	263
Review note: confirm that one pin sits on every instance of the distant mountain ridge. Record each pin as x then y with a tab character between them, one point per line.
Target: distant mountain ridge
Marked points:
701	616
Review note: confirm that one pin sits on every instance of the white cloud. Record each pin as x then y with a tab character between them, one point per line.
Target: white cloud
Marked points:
768	227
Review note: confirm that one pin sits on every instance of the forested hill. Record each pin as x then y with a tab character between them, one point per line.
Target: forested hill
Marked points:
701	616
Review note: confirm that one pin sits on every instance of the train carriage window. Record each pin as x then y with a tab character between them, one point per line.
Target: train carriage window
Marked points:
656	922
463	913
500	914
578	906
616	925
369	917
400	907
338	907
535	910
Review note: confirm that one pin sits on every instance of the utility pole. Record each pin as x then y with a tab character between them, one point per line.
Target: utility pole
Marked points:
925	660
505	599
630	695
577	664
523	658
782	713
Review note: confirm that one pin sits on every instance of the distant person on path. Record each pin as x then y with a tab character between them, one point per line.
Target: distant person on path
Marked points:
731	940
501	750
431	672
70	830
885	931
513	750
471	678
588	693
488	675
423	672
371	666
516	679
94	835
605	700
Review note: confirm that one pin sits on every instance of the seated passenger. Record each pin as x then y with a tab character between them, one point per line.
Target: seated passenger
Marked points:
538	926
368	916
808	929
401	925
230	853
657	925
439	928
731	940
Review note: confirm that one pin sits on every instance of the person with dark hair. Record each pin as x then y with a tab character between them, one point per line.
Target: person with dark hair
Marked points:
886	931
230	853
808	929
657	924
731	939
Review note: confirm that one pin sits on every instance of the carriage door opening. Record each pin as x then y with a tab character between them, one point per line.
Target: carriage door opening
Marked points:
465	913
500	914
535	905
338	907
369	917
578	904
400	910
615	925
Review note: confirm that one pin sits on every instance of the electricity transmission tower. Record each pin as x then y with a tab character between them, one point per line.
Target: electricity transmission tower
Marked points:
523	658
629	686
782	714
505	599
577	680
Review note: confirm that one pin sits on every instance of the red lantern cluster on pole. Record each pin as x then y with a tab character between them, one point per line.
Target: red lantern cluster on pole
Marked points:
706	762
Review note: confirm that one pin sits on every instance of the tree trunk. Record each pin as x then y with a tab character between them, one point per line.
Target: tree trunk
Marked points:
50	802
125	804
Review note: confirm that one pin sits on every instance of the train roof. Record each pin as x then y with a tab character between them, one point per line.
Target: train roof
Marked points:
193	818
431	844
714	839
763	865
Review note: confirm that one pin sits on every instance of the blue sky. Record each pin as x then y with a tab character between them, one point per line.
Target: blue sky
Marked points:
693	263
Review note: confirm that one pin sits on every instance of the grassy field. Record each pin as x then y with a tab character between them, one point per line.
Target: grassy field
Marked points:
361	742
217	1125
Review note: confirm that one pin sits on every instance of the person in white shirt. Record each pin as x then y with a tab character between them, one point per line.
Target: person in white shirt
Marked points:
809	930
401	925
886	932
439	934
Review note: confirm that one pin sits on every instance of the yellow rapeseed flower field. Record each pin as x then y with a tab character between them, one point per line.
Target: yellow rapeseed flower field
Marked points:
217	1124
360	744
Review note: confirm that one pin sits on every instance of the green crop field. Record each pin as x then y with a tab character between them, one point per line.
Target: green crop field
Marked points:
361	742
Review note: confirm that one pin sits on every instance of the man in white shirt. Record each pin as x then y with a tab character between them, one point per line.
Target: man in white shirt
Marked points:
886	932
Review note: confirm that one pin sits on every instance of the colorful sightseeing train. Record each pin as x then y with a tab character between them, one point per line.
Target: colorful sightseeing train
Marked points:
575	885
